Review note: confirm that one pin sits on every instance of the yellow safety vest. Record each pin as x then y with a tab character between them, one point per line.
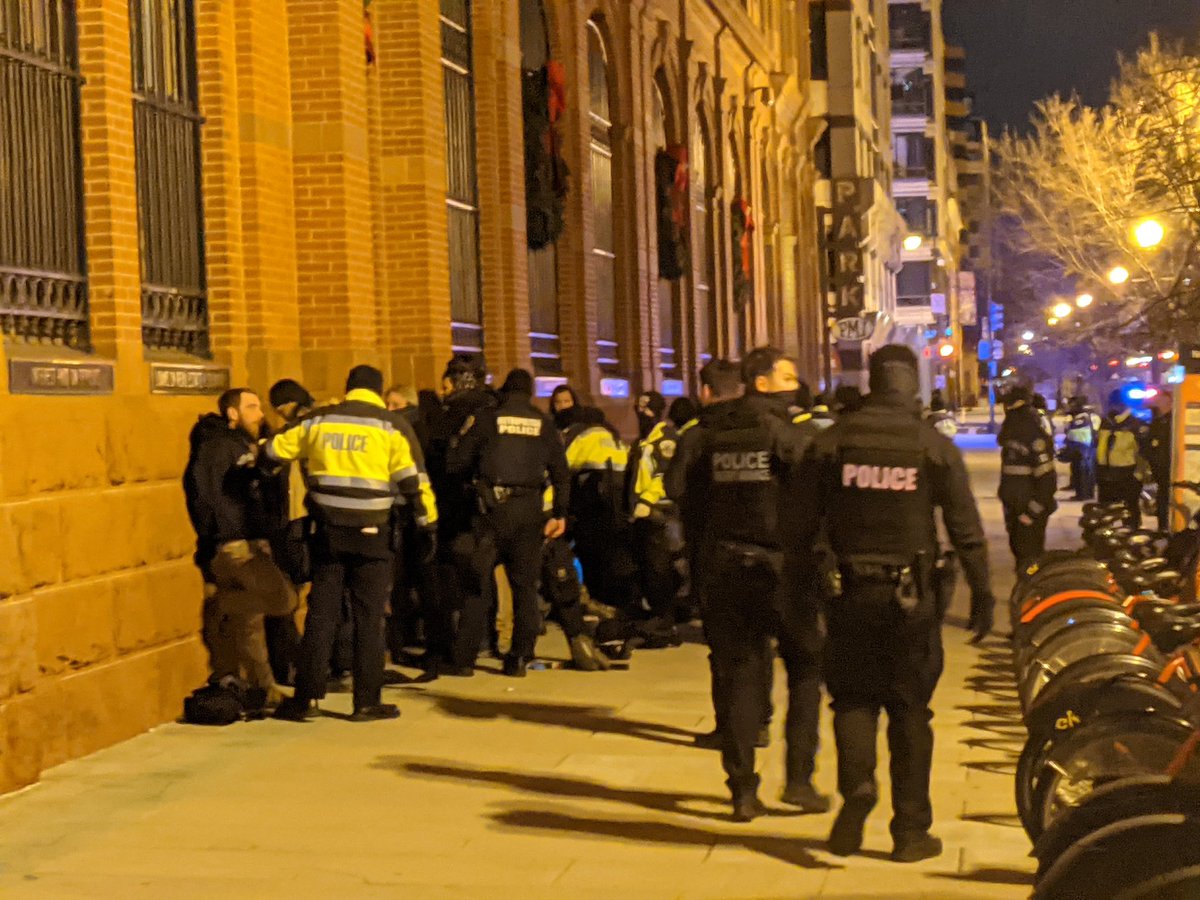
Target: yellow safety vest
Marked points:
358	463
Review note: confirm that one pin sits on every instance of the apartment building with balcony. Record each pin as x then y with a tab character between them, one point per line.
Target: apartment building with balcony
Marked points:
860	228
928	96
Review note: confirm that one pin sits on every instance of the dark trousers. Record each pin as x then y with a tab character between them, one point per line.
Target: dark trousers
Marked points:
417	596
560	586
744	608
657	577
360	568
1120	485
1162	500
465	574
876	658
1027	542
516	527
1083	470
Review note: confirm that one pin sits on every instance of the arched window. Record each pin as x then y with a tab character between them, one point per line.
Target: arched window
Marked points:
543	262
604	254
462	191
166	139
668	290
702	247
43	285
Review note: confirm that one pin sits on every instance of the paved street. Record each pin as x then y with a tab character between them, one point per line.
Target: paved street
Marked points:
562	785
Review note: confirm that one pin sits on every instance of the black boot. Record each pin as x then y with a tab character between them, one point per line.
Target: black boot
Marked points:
515	666
847	835
378	712
709	740
296	709
805	796
916	847
746	805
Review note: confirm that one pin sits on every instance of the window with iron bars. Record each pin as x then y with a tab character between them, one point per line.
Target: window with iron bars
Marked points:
462	190
166	140
43	274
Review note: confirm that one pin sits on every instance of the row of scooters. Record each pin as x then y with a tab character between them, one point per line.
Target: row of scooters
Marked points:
1106	652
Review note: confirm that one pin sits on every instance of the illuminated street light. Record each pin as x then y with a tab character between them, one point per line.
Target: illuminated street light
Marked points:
1118	275
1167	355
913	242
1023	348
1052	321
1083	301
1060	310
1148	233
1027	335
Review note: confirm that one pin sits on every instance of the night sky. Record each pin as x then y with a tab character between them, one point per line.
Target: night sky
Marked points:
1019	51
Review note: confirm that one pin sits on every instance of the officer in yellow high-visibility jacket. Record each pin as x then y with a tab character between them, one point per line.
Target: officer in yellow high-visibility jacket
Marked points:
653	516
358	465
1118	456
597	459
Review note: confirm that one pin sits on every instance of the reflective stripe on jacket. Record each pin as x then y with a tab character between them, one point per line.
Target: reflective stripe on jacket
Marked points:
358	463
657	451
596	449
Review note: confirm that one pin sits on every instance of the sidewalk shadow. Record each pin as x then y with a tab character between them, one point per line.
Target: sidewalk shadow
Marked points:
787	849
562	786
991	875
595	719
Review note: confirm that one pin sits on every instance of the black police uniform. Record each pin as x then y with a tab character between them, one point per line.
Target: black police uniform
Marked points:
511	451
464	564
874	479
730	468
1027	482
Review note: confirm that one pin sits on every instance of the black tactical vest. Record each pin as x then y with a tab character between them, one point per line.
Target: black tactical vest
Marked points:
741	470
882	504
516	455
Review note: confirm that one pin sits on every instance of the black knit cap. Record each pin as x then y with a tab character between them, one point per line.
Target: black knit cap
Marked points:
887	357
518	381
288	390
365	378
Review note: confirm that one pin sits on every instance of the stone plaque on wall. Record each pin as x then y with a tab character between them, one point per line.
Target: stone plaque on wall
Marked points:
180	378
27	376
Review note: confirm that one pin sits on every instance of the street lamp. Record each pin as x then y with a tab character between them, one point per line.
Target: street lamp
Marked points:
913	242
1148	233
1061	310
1052	321
1023	348
1083	301
1027	335
1118	275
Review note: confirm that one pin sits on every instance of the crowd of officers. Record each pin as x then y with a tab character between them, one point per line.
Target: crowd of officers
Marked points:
1111	459
789	527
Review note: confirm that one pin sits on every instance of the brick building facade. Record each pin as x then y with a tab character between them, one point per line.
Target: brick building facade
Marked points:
247	194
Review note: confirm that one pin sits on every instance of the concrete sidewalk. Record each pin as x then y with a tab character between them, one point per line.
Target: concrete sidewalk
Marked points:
564	784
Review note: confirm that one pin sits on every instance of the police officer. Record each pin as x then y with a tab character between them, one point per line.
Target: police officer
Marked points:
1027	477
1157	451
358	465
1118	447
728	475
1081	448
464	569
654	515
509	453
873	480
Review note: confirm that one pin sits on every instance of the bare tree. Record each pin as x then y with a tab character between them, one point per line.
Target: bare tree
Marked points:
1085	178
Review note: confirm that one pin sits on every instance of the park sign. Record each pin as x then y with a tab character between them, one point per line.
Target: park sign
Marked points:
851	197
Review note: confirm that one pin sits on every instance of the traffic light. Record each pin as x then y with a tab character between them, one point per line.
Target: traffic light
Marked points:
996	317
945	350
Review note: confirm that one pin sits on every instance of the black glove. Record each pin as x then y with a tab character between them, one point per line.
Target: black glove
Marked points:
982	613
426	545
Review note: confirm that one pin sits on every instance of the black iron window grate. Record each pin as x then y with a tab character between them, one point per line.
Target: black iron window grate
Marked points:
166	130
43	284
